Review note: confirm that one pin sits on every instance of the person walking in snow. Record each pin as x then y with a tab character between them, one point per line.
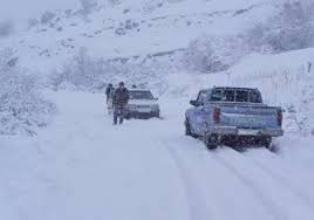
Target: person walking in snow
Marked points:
109	92
120	101
109	96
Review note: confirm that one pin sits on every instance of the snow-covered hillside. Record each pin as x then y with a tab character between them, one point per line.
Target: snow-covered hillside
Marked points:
66	161
132	29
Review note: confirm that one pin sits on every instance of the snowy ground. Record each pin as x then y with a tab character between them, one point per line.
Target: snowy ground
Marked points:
83	168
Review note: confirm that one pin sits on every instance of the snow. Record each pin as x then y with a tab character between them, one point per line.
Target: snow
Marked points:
83	167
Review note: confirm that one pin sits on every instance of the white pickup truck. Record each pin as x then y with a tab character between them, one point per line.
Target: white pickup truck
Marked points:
233	115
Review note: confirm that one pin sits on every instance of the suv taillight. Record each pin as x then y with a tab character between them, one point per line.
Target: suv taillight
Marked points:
279	117
216	115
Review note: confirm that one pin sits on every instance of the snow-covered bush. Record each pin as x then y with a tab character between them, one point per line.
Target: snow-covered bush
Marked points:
81	72
292	28
213	54
200	55
22	109
150	6
84	72
88	5
6	28
286	80
32	22
114	2
47	17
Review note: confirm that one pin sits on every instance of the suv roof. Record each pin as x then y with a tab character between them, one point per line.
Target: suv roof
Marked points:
235	88
140	90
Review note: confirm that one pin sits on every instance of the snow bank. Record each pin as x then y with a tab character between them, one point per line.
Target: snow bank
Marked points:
285	80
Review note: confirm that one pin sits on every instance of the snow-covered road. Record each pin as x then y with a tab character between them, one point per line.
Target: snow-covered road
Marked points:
84	168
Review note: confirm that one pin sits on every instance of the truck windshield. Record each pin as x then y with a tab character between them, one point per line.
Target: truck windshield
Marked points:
236	95
141	94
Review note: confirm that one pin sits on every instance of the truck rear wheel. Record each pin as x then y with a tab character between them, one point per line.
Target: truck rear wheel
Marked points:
211	142
188	131
267	142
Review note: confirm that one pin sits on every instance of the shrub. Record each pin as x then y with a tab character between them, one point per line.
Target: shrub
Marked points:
22	109
292	28
6	28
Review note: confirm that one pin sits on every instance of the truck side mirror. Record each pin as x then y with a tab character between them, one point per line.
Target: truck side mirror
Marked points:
195	103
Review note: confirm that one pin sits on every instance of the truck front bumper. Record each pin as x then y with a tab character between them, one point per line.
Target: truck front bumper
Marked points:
230	130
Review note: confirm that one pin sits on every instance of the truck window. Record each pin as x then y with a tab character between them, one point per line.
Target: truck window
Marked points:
242	96
140	94
202	97
222	95
255	97
216	95
236	95
229	96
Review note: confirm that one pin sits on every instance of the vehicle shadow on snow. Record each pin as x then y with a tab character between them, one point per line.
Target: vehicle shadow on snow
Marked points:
242	147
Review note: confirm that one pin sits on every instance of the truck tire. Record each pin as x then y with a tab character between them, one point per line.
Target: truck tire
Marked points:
211	142
188	131
267	142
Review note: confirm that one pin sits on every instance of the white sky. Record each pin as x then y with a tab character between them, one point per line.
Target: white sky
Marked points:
17	10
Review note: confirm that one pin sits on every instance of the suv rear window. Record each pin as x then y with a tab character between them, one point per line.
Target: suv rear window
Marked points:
140	94
236	95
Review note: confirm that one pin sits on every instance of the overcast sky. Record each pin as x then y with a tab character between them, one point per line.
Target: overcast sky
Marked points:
18	10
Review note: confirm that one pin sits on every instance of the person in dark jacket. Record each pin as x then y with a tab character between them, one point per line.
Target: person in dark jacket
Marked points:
120	101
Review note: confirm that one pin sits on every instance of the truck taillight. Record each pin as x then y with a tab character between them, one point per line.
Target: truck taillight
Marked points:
216	115
279	117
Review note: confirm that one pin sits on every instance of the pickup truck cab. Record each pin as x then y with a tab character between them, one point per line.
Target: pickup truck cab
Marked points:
228	114
142	104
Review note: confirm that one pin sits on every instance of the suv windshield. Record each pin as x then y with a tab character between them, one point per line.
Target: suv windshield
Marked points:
137	94
236	95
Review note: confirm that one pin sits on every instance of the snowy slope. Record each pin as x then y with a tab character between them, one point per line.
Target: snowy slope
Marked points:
132	28
83	168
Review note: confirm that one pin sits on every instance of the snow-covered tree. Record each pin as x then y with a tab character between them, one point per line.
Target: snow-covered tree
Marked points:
47	17
292	28
88	5
6	28
22	109
200	54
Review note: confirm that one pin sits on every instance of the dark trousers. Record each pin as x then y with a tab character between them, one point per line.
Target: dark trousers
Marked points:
118	114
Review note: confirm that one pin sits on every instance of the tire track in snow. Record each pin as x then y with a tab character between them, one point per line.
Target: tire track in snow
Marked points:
267	203
198	210
219	189
285	182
